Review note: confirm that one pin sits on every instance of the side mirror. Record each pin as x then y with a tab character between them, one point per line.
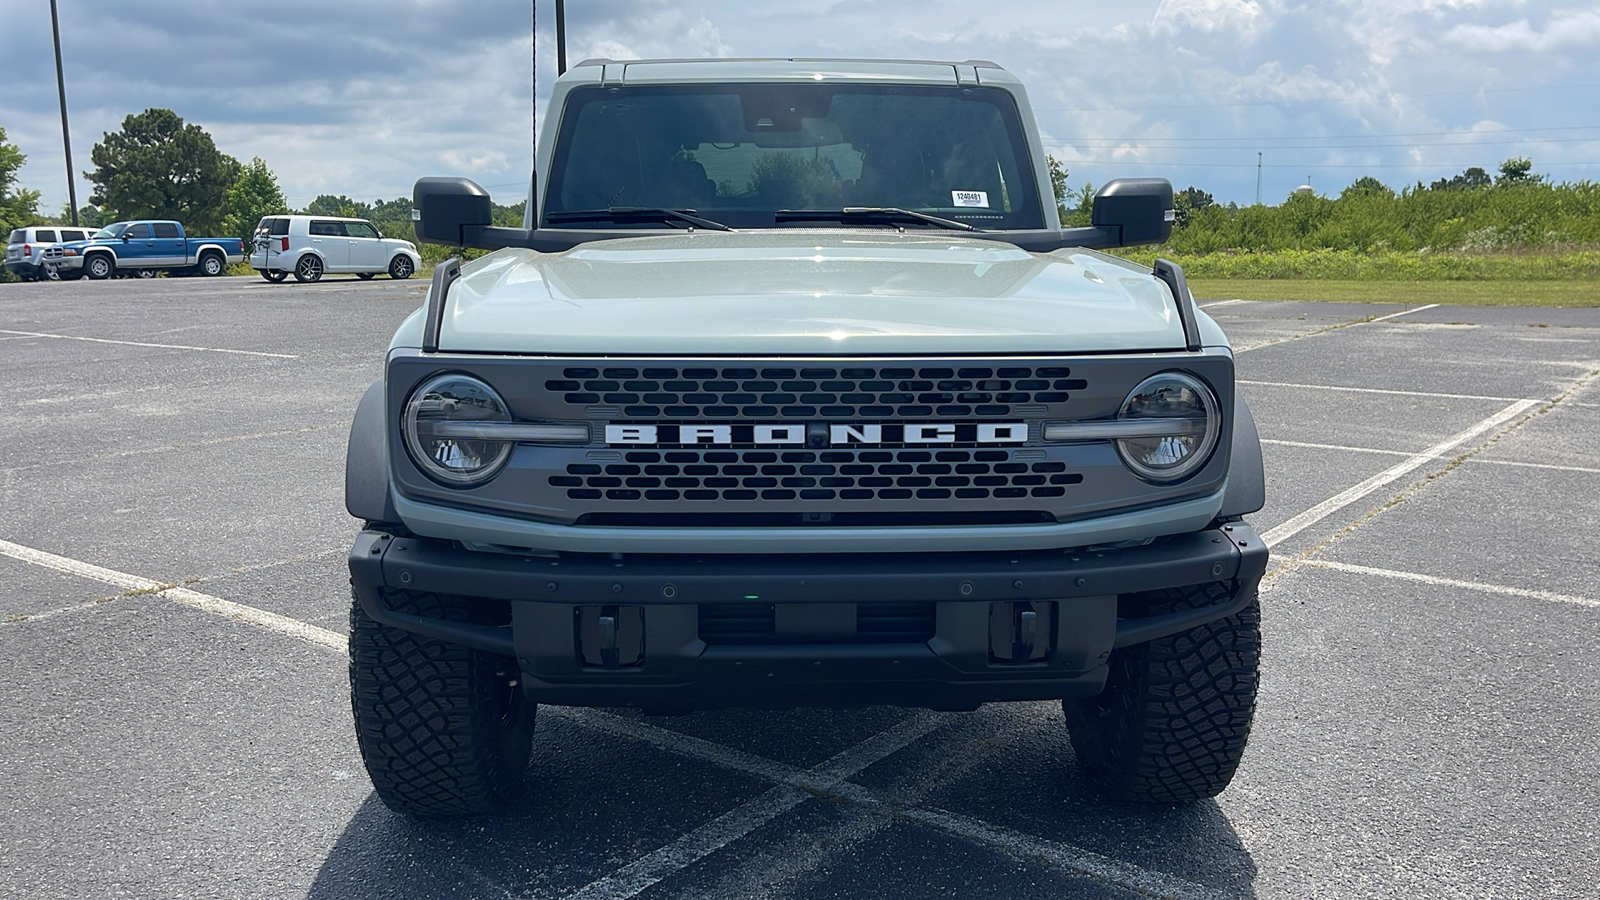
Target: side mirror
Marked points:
450	211
1141	208
124	237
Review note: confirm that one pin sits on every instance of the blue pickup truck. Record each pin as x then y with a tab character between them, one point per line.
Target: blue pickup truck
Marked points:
143	247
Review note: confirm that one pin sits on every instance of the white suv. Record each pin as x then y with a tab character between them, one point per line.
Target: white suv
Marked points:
25	248
311	246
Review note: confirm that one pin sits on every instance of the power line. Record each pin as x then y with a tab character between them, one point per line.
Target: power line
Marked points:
1347	137
1104	144
1244	103
1299	167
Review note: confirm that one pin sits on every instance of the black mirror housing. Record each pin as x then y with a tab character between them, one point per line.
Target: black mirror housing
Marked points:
449	211
1141	208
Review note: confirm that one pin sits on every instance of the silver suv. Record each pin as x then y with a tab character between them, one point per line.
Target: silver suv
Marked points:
312	246
794	390
25	248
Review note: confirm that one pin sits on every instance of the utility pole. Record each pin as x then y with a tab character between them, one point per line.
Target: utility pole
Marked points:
1258	178
561	37
66	136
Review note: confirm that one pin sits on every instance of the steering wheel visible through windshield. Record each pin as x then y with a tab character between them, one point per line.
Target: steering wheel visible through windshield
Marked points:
739	154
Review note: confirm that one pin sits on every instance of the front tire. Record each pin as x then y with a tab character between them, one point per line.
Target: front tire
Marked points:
401	268
99	267
444	730
211	265
1173	720
308	269
273	275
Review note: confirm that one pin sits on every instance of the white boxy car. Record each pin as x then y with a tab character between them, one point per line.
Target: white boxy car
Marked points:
309	247
25	249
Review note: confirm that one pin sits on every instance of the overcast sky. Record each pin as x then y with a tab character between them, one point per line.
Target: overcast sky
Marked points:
362	98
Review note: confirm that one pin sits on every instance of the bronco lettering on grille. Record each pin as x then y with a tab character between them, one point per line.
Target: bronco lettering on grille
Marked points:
838	435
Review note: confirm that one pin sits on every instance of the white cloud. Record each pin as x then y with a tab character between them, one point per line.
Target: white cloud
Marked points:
1575	30
1186	89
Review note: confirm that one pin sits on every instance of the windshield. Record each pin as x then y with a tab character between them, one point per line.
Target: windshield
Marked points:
110	231
738	154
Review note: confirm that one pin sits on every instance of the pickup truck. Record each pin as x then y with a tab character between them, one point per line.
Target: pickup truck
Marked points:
793	390
143	247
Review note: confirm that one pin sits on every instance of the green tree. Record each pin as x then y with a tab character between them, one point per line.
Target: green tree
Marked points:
342	206
1058	184
1517	170
1078	206
160	168
1366	186
1189	201
254	195
18	207
1473	177
88	216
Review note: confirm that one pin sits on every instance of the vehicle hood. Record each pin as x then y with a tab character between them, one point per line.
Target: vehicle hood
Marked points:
813	292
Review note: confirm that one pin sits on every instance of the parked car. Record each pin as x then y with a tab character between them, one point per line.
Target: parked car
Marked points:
25	248
143	247
312	246
853	421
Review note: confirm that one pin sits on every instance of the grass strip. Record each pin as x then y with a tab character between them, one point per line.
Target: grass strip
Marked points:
1555	294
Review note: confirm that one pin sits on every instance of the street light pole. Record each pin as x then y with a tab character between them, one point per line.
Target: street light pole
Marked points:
66	136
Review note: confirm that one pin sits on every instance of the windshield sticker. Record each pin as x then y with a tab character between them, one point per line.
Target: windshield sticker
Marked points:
970	198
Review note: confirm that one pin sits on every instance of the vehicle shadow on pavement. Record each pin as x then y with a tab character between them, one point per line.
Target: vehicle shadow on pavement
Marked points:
598	801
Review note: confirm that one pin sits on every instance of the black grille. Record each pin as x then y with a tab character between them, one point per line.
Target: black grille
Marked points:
896	392
718	475
910	622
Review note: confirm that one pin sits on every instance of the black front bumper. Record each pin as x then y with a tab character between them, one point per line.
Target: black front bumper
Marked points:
637	631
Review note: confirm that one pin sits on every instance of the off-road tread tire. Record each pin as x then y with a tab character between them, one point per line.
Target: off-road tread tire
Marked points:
1174	718
435	728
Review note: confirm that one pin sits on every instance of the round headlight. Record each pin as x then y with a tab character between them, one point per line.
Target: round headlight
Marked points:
1170	454
452	400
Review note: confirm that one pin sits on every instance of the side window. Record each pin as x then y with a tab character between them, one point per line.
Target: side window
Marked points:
73	235
360	230
323	228
46	235
279	227
138	232
166	230
18	236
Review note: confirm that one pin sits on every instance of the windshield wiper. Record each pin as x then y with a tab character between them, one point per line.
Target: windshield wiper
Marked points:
885	213
626	213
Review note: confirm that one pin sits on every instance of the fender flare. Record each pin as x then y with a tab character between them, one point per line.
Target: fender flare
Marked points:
366	461
1247	477
203	249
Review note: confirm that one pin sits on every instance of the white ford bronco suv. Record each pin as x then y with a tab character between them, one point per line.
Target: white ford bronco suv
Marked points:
793	390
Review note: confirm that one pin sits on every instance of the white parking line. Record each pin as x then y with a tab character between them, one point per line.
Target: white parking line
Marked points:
747	817
1346	497
1339	327
216	605
1218	303
74	337
833	781
1358	390
1403	312
1474	461
1455	583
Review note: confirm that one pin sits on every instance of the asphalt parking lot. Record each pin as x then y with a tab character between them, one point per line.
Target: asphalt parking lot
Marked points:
174	716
